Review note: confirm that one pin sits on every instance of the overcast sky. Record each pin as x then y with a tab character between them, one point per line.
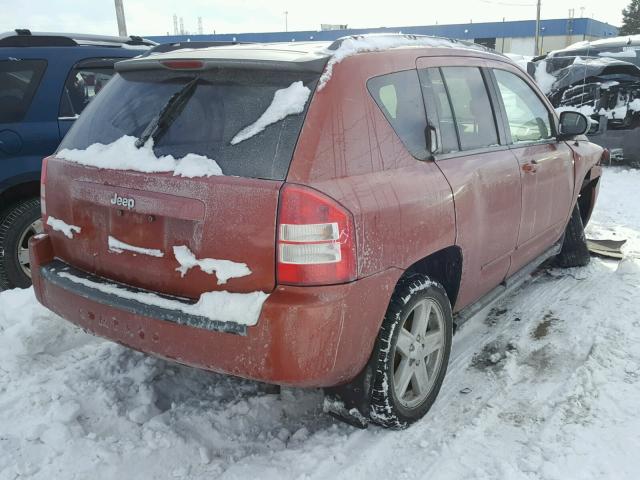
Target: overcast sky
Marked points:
155	17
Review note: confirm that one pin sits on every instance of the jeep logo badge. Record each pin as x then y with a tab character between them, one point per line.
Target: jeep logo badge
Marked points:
119	201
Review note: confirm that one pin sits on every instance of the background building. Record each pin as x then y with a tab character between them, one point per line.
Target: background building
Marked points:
508	37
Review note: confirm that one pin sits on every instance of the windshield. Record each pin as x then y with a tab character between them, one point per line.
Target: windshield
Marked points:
224	103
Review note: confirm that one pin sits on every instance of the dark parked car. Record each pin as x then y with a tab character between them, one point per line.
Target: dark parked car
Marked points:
46	81
602	80
311	215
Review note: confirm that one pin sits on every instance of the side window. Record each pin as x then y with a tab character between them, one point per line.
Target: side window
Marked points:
19	80
438	107
81	86
398	96
471	107
529	120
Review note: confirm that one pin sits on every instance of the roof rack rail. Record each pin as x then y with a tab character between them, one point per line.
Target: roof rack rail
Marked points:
22	37
408	36
170	47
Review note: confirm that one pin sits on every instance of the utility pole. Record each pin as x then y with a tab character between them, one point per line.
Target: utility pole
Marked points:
537	49
286	21
122	25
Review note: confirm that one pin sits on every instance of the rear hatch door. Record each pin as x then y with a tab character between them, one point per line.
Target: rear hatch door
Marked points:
132	217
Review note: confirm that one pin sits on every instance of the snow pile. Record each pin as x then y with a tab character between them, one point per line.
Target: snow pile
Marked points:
192	166
544	79
60	226
286	101
586	110
521	60
224	269
117	246
626	39
372	43
602	61
124	155
545	385
618	113
240	308
625	53
629	40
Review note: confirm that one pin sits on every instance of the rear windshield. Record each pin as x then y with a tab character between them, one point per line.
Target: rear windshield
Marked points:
19	80
224	103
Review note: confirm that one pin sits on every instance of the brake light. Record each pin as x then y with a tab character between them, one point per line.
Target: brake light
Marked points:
316	239
183	64
43	181
605	159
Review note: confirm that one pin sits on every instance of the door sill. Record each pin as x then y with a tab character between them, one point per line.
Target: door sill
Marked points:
509	285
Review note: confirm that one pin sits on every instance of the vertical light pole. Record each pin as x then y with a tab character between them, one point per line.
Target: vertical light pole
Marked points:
122	25
537	49
286	21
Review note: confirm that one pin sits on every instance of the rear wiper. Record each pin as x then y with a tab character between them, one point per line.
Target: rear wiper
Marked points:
171	110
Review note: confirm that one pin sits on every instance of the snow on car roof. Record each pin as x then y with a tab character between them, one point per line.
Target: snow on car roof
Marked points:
624	41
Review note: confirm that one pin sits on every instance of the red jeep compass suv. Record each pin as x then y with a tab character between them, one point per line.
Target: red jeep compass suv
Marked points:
311	215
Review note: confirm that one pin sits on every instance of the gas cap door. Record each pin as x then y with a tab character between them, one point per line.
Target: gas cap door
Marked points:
10	142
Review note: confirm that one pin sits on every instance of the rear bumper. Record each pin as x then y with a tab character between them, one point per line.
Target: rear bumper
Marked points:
305	336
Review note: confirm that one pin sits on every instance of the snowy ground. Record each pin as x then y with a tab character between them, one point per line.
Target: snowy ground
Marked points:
546	385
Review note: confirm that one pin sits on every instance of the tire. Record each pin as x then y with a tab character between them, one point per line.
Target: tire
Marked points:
575	252
389	407
17	224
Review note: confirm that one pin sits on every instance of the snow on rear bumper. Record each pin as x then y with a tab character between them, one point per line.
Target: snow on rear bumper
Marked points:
305	336
62	275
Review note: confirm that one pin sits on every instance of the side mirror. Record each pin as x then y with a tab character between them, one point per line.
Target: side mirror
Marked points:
572	124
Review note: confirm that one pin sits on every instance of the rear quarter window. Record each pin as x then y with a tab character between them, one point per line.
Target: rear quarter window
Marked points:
399	97
19	80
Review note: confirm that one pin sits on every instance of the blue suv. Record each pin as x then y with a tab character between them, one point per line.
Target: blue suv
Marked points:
46	80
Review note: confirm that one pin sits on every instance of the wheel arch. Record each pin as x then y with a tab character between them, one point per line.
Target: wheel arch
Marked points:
443	266
21	190
587	198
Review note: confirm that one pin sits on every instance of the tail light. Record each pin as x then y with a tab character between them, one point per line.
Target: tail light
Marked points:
316	239
605	159
183	64
43	192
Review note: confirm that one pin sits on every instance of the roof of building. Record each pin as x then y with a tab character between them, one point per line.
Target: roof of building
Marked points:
469	31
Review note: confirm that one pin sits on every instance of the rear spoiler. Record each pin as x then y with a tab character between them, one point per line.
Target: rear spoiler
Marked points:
314	65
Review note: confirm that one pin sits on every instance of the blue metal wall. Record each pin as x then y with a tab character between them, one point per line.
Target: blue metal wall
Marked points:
524	28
